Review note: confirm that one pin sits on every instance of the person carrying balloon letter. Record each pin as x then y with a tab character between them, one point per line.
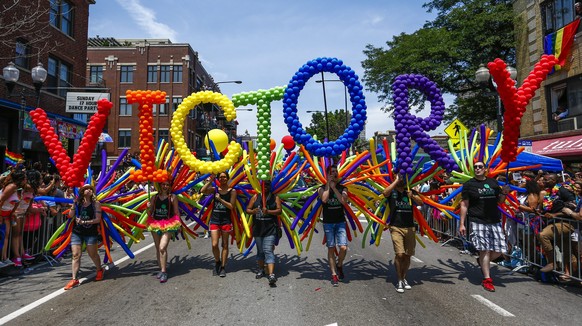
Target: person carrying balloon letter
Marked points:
480	196
86	212
220	219
163	222
402	229
265	226
334	197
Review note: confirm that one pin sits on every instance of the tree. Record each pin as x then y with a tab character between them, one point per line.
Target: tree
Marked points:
25	21
448	50
336	122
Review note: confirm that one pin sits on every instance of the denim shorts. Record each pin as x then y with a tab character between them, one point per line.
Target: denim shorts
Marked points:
265	249
78	239
335	234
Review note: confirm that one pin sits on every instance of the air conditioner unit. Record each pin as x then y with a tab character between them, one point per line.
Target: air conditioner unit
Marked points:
567	124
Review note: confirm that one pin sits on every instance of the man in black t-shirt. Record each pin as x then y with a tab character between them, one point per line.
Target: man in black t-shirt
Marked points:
402	228
480	198
333	197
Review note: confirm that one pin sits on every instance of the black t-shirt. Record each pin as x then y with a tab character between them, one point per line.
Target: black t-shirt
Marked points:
333	210
564	196
162	209
265	225
86	214
400	209
221	213
483	196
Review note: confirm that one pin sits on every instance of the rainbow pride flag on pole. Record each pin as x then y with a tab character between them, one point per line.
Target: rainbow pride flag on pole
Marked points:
560	42
12	158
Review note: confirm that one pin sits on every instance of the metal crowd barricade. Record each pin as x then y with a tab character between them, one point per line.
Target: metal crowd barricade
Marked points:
445	228
532	253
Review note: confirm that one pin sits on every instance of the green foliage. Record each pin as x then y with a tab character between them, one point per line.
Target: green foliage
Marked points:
448	50
336	122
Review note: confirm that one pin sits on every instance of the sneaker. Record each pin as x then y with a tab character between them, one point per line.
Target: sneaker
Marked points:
206	235
216	269
260	275
406	285
2	264
222	272
159	275
163	277
334	280
400	287
27	257
71	284
17	262
99	275
272	279
8	262
488	285
340	271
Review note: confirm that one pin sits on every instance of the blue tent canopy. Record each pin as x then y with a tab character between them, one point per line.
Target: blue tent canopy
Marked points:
523	159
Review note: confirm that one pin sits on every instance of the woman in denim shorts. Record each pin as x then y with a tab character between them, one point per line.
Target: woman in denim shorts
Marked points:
87	214
265	224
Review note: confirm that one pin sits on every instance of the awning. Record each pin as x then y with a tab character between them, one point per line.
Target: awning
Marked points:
557	147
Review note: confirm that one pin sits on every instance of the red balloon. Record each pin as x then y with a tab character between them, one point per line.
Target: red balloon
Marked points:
288	143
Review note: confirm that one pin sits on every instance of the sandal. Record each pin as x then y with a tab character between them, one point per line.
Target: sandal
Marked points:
564	278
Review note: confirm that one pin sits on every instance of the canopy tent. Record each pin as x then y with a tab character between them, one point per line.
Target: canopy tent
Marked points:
523	159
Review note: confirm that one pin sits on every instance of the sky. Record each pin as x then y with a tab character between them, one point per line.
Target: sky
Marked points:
264	43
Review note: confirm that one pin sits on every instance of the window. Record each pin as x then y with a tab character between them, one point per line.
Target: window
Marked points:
124	107
152	74
95	74
22	54
58	75
163	134
124	138
199	84
164	74
175	102
162	109
61	16
177	74
556	14
126	74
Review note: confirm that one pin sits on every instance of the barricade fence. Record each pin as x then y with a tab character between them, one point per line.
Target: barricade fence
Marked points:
28	235
533	242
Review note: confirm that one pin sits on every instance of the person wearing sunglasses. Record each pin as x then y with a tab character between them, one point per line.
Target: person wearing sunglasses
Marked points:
480	196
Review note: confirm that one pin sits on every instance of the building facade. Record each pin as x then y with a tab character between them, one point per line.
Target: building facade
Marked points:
152	64
53	33
560	138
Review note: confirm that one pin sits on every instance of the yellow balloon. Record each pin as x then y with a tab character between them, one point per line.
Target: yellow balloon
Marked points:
219	138
177	127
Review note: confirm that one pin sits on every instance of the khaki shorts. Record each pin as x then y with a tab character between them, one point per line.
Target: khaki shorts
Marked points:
403	240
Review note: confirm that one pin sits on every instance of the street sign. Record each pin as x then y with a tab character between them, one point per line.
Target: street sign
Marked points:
456	129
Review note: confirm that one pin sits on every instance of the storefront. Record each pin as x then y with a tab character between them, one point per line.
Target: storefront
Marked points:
567	148
70	131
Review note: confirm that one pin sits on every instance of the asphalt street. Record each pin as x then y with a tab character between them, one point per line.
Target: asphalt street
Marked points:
446	290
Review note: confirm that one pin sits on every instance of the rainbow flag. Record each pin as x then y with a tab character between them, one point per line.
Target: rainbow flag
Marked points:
560	42
12	158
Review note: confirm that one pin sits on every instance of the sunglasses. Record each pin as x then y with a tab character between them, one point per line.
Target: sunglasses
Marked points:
478	167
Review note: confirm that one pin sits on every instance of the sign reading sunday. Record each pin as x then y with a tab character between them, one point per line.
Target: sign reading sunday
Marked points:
82	102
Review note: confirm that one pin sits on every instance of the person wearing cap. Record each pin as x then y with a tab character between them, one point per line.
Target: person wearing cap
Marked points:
265	226
86	212
163	222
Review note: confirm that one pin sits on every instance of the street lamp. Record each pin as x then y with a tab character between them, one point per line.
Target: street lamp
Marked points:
322	81
326	123
11	75
483	77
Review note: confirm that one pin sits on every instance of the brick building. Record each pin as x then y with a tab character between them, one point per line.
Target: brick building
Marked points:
54	34
563	138
152	64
